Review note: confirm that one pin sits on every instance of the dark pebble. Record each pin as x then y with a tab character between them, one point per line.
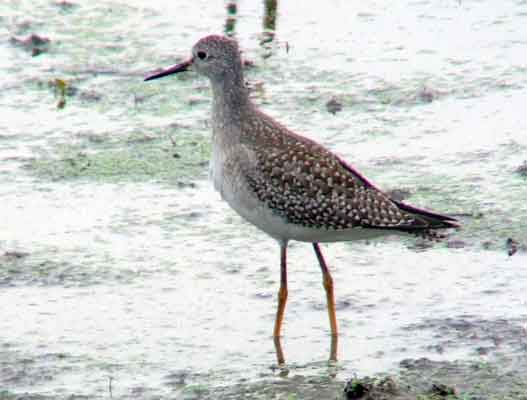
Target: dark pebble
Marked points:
65	5
426	95
522	170
512	246
334	106
355	389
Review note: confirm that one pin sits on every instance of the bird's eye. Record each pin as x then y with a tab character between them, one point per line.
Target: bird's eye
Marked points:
202	55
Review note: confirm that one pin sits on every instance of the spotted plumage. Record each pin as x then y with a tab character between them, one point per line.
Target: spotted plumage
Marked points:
308	185
286	184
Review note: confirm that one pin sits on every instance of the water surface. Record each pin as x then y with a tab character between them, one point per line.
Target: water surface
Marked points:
117	259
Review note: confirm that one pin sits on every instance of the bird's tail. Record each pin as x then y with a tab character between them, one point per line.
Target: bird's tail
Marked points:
432	219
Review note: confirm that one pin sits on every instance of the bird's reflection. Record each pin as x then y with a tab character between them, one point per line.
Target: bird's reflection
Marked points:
280	358
268	23
230	21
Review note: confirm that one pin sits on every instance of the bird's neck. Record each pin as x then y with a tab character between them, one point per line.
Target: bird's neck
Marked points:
230	98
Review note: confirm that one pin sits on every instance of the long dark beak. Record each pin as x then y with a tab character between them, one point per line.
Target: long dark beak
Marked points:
169	71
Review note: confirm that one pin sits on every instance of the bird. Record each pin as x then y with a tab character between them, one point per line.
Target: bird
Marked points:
286	184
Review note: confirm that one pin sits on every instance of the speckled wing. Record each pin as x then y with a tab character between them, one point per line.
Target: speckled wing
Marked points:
308	185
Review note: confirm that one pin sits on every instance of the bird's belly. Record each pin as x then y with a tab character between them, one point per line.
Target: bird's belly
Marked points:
228	179
276	226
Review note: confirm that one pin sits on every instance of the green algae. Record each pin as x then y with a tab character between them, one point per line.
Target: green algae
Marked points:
140	158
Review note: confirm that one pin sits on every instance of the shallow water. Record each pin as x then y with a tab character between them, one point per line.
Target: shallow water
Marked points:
118	260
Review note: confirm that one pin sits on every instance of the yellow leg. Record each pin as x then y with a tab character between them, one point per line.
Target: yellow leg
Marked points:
282	293
280	359
327	280
334	347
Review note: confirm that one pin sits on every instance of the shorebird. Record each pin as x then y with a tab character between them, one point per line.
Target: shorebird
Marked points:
287	185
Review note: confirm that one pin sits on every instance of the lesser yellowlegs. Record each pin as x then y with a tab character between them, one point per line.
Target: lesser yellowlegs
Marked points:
287	185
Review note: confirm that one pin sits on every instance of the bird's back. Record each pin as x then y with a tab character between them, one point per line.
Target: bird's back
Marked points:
308	186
